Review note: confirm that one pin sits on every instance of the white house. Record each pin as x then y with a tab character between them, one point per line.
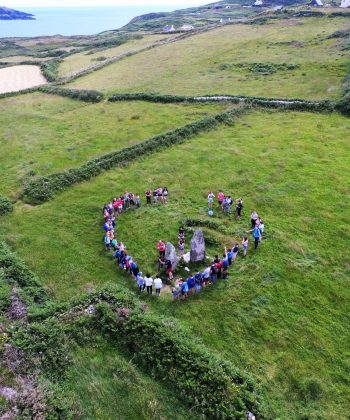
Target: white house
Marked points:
186	28
169	28
258	3
345	3
316	3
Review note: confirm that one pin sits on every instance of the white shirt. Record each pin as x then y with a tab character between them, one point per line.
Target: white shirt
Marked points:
148	281
206	273
158	283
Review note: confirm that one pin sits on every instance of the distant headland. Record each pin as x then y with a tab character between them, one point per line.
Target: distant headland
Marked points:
11	14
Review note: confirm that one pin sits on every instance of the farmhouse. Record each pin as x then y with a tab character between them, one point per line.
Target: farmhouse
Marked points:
258	3
186	28
316	3
169	28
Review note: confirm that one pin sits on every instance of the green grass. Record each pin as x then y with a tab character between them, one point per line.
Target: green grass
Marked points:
84	59
194	65
283	313
58	133
105	385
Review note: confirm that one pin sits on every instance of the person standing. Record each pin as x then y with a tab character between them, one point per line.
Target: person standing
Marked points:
245	241
221	197
148	283
253	218
161	248
257	236
140	281
235	251
165	195
148	197
211	197
158	284
239	207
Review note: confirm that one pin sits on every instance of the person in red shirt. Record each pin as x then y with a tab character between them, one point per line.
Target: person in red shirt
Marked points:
221	197
161	248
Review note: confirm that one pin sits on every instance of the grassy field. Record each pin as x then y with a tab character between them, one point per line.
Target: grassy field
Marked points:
218	62
57	133
283	313
84	59
111	387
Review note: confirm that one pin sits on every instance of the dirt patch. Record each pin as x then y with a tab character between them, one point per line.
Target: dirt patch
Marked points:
15	78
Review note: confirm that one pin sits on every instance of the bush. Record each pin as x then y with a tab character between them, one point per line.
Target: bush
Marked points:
41	189
82	95
212	387
50	69
16	274
5	205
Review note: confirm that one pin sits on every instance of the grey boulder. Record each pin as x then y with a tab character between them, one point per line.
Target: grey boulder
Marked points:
197	252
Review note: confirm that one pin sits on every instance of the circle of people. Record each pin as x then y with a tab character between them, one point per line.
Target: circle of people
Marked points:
182	288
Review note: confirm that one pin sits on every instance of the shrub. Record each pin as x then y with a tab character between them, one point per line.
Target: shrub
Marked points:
212	387
5	205
15	273
82	95
50	69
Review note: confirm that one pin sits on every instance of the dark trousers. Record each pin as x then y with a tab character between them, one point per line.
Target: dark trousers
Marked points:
158	292
256	242
229	261
149	289
253	223
162	253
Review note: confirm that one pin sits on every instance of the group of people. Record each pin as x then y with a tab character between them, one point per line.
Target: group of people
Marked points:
225	203
182	288
160	195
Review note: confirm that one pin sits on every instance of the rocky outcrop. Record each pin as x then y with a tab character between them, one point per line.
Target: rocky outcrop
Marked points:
171	255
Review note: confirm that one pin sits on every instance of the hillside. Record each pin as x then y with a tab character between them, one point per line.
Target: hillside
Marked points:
256	107
11	14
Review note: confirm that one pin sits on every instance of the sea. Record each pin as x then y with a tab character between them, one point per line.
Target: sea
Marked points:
76	20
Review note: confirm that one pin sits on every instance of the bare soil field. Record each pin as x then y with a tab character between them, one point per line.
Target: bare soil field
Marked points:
17	78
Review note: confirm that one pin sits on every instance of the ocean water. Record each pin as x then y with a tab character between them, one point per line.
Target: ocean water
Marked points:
76	21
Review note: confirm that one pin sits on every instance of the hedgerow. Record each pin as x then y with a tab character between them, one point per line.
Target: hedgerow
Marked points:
343	105
210	386
5	205
16	274
290	104
50	69
82	95
41	189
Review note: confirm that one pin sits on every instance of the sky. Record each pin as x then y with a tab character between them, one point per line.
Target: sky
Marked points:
89	3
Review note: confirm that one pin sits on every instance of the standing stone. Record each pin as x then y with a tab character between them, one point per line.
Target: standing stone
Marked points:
171	255
197	247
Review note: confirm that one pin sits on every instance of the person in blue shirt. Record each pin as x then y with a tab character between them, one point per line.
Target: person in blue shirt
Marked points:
117	255
190	283
134	269
184	289
107	241
198	281
224	266
229	256
140	281
257	236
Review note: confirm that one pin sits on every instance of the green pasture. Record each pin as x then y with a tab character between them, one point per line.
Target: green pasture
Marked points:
42	134
282	314
81	60
110	386
213	62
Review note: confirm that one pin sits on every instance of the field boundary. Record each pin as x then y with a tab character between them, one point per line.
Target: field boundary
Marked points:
290	104
44	188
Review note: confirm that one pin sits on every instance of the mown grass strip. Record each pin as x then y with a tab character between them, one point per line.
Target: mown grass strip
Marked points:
289	104
42	189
